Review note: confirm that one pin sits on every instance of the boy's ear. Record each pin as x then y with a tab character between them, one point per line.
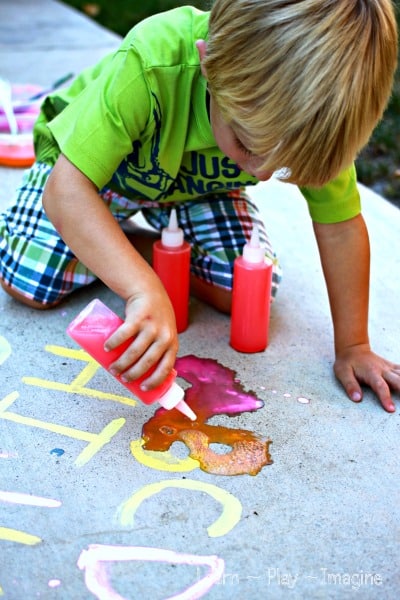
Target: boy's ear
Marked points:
201	46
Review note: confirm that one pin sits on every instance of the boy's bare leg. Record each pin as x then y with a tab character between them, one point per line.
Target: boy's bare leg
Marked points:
218	297
143	240
27	301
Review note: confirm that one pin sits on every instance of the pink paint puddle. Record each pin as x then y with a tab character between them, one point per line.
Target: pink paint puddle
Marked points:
303	400
214	390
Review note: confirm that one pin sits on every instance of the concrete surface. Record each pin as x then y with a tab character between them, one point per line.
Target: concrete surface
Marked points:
321	522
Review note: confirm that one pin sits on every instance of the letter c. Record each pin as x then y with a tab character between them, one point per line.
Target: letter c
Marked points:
231	513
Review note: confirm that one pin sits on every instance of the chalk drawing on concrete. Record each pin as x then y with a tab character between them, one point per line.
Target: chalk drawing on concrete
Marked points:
5	349
20	537
78	384
231	513
162	461
94	562
28	499
95	441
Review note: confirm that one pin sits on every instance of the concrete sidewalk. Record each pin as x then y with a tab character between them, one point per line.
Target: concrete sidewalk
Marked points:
321	522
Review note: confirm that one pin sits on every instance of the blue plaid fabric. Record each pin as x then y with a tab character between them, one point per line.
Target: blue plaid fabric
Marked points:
35	261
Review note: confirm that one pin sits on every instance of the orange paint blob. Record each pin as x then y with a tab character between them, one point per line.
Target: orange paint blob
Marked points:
214	390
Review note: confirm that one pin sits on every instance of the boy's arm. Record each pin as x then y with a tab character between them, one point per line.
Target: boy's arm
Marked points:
87	226
345	257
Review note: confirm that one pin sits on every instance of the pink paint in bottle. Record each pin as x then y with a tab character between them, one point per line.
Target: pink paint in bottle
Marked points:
251	298
93	326
171	262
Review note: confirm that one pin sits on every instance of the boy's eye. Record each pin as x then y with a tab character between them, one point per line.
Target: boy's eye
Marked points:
242	147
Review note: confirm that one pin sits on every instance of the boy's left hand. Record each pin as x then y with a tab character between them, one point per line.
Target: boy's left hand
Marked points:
359	365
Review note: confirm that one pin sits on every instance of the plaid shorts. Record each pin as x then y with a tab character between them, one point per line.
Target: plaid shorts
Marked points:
35	261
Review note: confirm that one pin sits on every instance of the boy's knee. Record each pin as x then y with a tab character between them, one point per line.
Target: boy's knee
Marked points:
24	300
215	295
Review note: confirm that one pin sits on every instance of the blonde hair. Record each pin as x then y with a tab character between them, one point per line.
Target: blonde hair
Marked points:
307	80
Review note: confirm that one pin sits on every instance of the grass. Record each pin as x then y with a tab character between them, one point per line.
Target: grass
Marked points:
121	15
378	165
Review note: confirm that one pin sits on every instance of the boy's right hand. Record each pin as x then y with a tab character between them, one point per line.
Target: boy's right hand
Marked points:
150	320
100	244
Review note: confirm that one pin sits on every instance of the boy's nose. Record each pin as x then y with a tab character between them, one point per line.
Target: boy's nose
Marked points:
263	176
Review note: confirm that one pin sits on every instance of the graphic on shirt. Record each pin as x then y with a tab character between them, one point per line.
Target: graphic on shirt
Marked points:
132	169
207	172
200	172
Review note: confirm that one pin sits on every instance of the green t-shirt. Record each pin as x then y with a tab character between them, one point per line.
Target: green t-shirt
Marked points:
137	122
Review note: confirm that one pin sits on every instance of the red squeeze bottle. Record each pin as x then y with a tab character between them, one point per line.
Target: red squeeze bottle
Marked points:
93	326
251	298
171	262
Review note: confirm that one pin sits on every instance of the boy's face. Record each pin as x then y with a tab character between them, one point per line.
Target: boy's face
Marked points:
231	141
233	144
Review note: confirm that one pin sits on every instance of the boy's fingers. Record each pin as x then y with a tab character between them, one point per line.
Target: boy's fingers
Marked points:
161	372
380	381
354	392
349	381
378	386
388	405
141	355
392	377
383	393
123	333
391	380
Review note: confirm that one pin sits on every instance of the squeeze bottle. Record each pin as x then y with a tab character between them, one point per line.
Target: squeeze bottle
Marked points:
251	298
171	262
93	326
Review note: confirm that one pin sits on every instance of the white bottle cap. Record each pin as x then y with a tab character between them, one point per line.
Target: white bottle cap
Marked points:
172	236
253	252
173	398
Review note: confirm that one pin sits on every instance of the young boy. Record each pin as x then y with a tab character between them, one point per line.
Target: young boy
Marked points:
191	108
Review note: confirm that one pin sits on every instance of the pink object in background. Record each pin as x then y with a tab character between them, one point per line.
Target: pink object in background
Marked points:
16	150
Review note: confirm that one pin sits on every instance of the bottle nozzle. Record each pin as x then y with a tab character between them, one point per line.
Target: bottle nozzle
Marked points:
253	251
173	398
173	221
172	236
185	409
255	237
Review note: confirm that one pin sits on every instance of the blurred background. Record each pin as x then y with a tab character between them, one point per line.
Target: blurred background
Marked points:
378	165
